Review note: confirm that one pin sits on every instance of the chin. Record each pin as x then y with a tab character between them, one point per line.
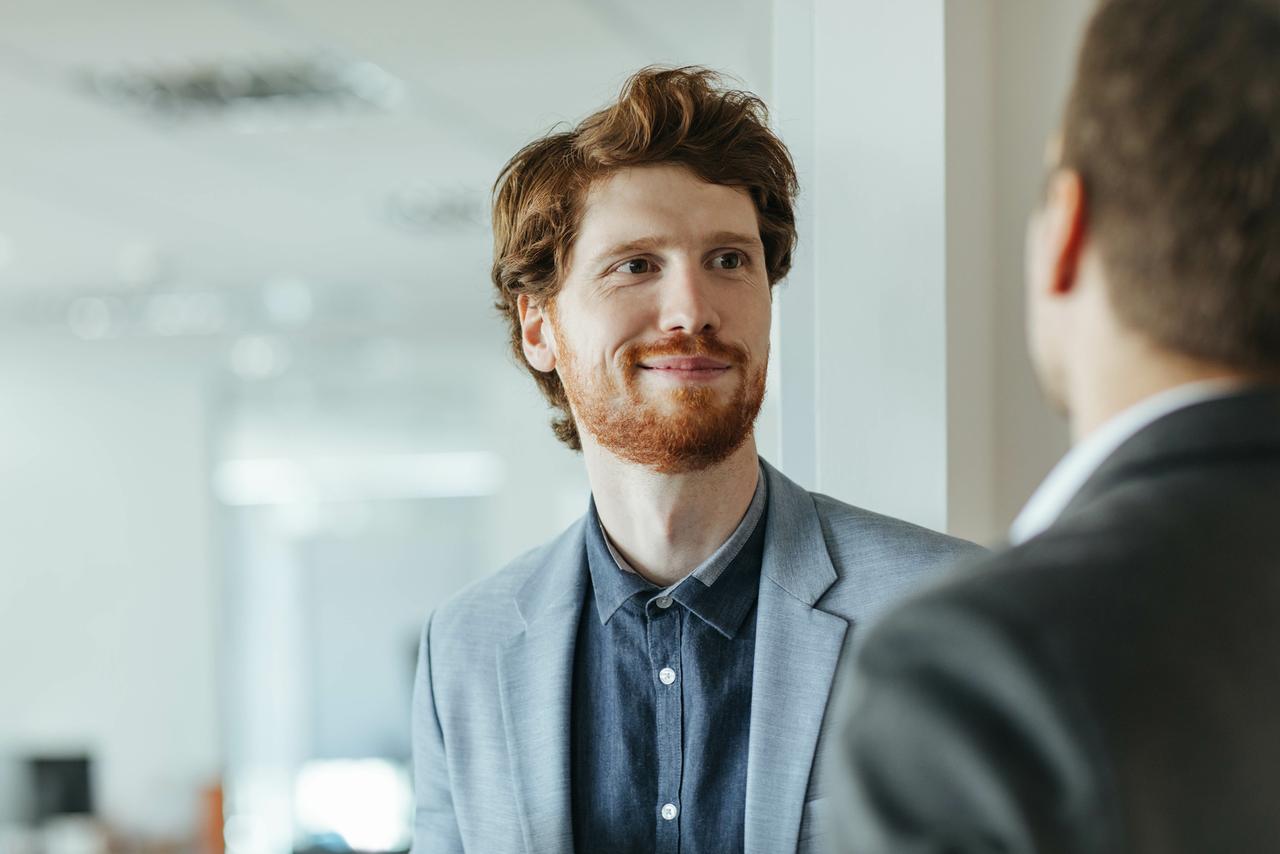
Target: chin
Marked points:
683	397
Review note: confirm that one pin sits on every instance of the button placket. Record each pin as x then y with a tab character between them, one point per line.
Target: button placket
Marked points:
665	630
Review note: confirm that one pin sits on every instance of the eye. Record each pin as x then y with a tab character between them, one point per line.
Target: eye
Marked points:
635	267
729	261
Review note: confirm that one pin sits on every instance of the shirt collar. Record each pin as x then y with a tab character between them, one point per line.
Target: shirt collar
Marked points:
726	605
1079	464
614	581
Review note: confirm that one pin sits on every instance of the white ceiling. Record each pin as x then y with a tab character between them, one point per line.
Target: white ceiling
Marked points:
95	197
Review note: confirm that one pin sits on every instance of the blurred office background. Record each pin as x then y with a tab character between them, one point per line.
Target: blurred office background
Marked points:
257	415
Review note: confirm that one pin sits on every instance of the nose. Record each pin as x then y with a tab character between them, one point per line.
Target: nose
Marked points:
686	302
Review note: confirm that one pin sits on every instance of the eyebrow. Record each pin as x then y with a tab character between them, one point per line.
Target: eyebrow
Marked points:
737	237
648	244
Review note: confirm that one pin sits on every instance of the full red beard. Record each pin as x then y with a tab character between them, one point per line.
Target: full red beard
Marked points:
699	433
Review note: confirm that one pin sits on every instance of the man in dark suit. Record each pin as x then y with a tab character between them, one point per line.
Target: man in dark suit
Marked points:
1111	682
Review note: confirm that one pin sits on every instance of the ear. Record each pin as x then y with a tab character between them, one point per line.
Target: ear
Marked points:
1066	223
537	338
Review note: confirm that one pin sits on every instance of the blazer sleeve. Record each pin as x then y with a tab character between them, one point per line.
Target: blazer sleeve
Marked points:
957	735
435	827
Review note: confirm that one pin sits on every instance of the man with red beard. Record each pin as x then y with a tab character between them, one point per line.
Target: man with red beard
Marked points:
656	678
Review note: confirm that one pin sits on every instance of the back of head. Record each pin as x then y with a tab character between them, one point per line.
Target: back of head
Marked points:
1174	125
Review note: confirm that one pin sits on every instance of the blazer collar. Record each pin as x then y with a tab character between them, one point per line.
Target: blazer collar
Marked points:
561	575
535	684
1243	425
795	550
797	648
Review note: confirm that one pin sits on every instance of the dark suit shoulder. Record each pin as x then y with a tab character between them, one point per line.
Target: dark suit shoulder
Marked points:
966	735
1185	551
1113	676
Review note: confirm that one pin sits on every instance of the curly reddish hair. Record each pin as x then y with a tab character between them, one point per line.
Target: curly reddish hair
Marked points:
683	116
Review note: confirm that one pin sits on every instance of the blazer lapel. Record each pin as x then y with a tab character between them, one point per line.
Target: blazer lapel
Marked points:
797	649
535	673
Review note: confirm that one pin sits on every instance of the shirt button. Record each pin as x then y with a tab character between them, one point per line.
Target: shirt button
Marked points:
667	675
669	811
663	602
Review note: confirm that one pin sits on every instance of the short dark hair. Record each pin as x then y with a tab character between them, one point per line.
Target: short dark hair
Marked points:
684	116
1174	125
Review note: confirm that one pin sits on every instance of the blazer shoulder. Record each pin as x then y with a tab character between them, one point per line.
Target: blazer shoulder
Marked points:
879	559
857	532
488	606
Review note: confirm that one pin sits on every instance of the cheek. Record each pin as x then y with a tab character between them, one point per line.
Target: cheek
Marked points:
760	321
1033	279
584	331
1044	331
1036	258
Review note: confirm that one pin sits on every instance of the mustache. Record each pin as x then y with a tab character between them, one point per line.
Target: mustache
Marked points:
686	345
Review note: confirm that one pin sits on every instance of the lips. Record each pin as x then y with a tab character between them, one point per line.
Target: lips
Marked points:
685	364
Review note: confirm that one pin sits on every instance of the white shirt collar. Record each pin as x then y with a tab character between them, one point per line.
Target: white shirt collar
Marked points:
1079	464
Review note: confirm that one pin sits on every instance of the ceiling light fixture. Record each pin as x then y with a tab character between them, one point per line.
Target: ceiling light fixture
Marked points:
233	88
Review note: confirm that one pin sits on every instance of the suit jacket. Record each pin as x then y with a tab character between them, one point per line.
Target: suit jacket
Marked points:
1110	685
492	698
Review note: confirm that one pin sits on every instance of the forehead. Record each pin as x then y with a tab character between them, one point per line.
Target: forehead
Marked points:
666	202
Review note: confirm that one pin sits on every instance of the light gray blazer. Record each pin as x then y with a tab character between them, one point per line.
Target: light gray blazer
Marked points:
493	691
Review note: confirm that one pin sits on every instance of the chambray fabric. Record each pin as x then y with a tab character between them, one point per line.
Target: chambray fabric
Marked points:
639	744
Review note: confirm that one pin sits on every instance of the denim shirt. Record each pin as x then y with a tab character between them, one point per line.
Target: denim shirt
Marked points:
662	700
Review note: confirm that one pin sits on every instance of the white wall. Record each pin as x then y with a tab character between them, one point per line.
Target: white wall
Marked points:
919	128
107	601
880	232
1036	42
970	291
862	87
792	438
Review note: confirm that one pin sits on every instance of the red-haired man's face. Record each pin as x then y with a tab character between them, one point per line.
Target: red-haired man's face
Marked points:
660	332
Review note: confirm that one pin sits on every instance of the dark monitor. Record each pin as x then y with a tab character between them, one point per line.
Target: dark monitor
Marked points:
60	786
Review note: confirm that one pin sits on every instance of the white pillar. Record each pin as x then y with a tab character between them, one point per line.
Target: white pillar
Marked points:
884	365
793	374
971	271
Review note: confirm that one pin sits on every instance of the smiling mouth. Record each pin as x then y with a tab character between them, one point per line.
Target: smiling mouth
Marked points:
694	366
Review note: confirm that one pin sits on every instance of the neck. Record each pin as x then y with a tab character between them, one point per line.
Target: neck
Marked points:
1123	376
665	525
